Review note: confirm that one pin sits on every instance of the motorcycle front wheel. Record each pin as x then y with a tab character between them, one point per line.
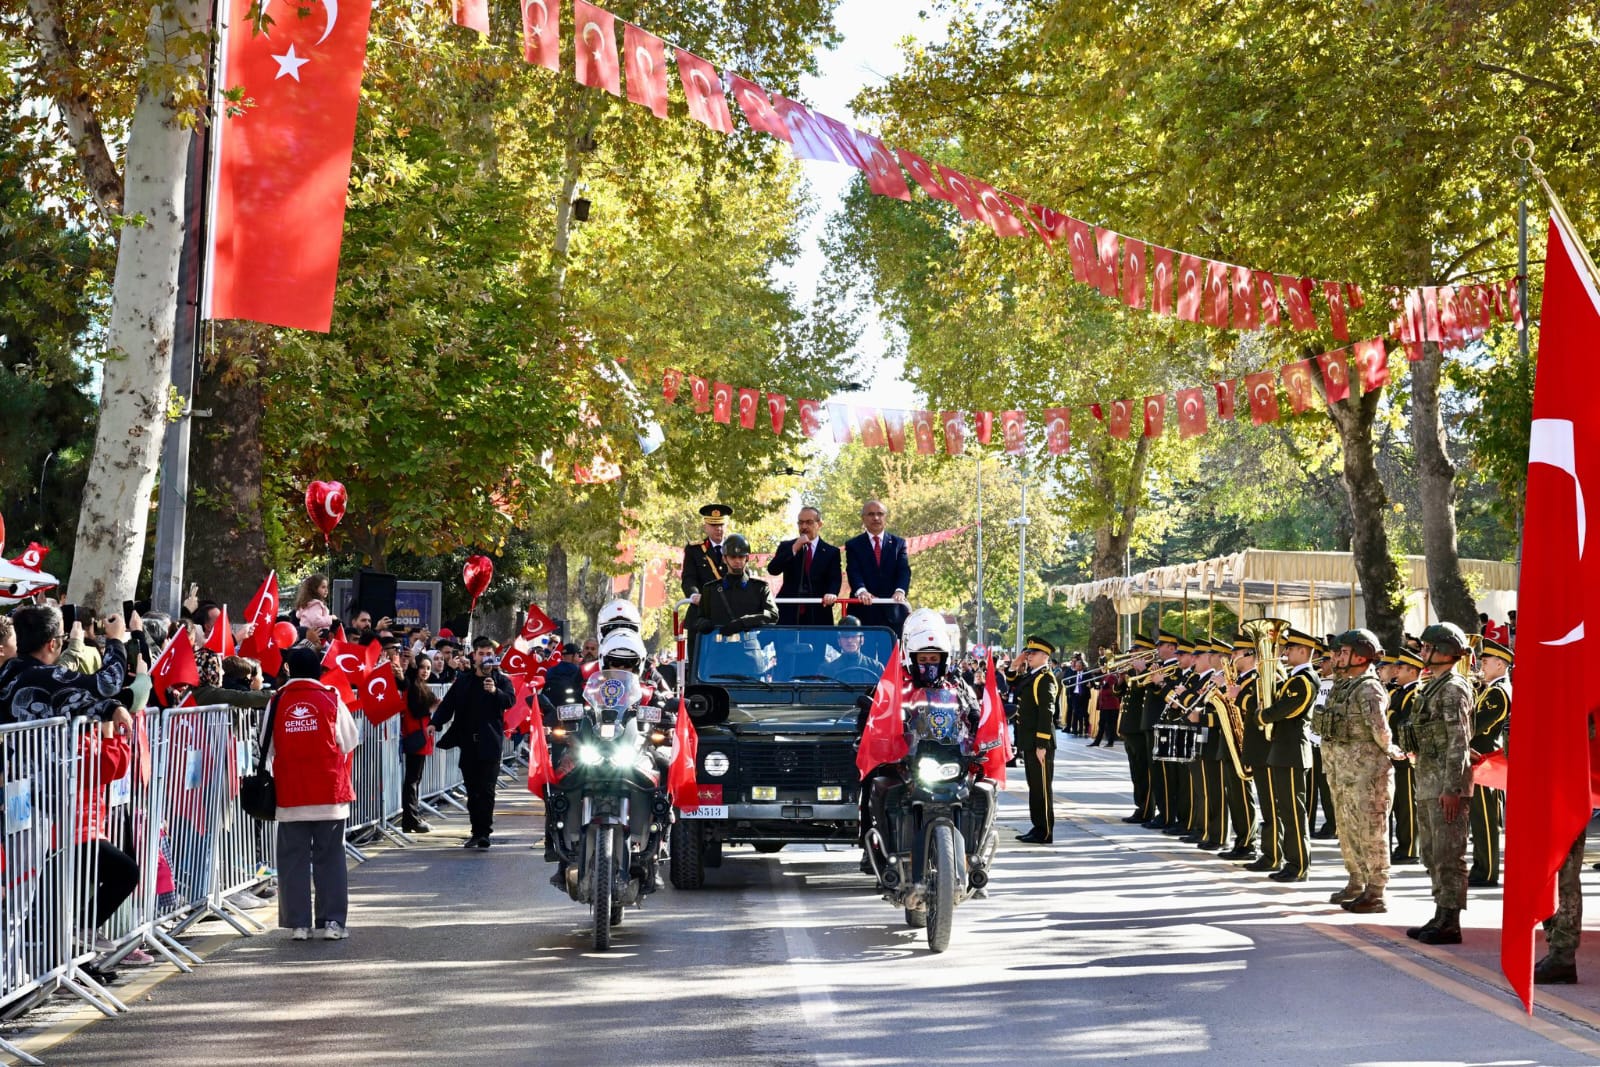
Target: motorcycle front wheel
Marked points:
941	887
600	886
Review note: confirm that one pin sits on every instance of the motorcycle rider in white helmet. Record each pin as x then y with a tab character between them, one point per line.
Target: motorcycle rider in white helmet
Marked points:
620	616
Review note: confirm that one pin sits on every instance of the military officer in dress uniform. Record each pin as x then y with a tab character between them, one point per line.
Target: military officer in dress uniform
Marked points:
1186	776
1035	686
1407	677
702	560
1242	794
1489	717
1319	798
1162	682
1289	755
1130	726
1210	752
1440	733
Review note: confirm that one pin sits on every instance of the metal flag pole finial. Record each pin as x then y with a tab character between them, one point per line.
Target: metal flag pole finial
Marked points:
1524	149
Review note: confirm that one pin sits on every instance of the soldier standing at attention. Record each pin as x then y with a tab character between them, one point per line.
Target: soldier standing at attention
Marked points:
1242	794
702	560
1357	752
1489	736
1407	675
1135	741
1441	732
1035	687
1161	682
1289	756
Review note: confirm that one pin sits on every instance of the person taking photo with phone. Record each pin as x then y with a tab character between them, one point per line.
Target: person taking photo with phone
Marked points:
475	709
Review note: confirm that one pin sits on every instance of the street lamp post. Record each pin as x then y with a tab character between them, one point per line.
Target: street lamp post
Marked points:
978	455
1021	523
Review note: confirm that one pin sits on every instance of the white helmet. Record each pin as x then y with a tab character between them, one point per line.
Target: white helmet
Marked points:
618	614
622	649
925	631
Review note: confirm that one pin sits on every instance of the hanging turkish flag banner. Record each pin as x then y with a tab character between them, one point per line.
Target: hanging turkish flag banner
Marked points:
1106	244
1333	292
283	166
1218	283
644	57
1161	275
1051	224
1245	314
1080	248
1119	418
811	418
959	186
983	426
749	402
777	406
670	380
1430	315
1450	332
996	212
1191	412
1191	286
1014	431
1225	398
1373	362
843	140
757	107
1297	298
1297	382
922	428
700	390
1057	430
473	14
955	432
870	423
541	34
921	172
1514	300
1133	271
595	48
805	138
721	401
702	88
839	416
1155	415
1353	297
1266	287
1263	394
894	425
1335	375
883	173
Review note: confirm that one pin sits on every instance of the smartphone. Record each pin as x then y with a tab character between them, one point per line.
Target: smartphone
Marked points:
127	613
141	646
69	615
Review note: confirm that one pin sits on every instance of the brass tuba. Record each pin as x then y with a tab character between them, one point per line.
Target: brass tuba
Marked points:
1229	718
1268	636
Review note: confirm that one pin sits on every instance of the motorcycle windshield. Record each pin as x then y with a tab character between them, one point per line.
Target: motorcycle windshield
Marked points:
936	716
610	693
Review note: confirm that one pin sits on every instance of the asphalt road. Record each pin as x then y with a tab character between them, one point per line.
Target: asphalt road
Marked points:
1114	945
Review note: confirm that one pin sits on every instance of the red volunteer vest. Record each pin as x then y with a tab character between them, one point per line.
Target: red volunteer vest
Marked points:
307	766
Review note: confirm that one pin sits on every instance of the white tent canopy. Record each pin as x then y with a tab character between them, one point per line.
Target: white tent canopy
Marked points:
1316	591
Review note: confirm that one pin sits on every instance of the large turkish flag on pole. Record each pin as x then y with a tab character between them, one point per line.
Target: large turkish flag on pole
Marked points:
1547	793
282	165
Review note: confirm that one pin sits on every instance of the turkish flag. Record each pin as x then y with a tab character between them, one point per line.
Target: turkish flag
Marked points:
524	697
1548	789
811	418
220	639
1155	415
884	738
341	682
1430	315
1334	293
1057	430
883	173
1335	375
1297	298
1353	297
670	380
843	141
757	107
1106	247
349	658
1450	333
1119	418
843	422
702	87
1191	285
1246	316
955	432
381	698
1373	362
1265	284
473	14
175	666
1412	325
283	165
595	45
721	401
1191	412
994	733
997	213
541	773
871	426
644	57
1133	271
1218	283
700	390
681	782
262	611
962	195
805	137
1225	398
1263	394
921	172
922	428
516	662
1297	381
894	426
1051	224
541	33
1014	432
1513	298
749	401
983	426
1161	275
537	624
777	406
1081	252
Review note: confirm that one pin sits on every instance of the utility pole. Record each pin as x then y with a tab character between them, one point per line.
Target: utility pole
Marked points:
978	455
1021	523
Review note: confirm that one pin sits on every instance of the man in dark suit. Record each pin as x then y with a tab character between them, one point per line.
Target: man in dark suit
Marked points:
879	570
810	568
474	709
702	560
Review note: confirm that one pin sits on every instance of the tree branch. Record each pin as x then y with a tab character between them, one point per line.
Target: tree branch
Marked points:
83	125
1495	68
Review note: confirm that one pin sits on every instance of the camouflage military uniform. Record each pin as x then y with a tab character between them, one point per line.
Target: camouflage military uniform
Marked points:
1441	731
1561	930
1355	751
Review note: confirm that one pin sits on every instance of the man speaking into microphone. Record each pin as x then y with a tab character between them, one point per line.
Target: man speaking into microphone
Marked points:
811	569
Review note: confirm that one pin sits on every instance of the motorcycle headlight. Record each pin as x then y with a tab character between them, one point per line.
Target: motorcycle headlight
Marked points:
621	757
590	755
932	770
716	764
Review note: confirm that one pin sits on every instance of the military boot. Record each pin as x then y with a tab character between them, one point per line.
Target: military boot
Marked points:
1550	971
1416	932
1351	891
1448	932
1369	902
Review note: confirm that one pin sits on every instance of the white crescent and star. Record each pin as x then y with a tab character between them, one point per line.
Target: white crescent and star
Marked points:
644	60
537	28
1552	442
1261	393
595	50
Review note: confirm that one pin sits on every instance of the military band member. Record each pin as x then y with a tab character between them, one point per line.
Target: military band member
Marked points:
702	560
1440	733
1130	725
1289	754
1242	794
1180	776
1211	752
1488	736
1157	686
1319	798
1035	686
1358	751
1407	677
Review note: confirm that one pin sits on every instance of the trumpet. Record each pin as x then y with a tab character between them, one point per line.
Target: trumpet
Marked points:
1114	665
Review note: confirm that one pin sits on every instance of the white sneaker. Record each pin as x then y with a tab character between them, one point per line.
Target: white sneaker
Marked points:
301	933
334	932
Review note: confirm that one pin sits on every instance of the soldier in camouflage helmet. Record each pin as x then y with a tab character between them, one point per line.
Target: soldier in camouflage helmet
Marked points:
1440	735
1356	750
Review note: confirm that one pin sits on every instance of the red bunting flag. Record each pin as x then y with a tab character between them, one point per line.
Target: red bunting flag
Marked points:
894	425
1297	382
702	88
883	173
959	186
681	782
595	45
1218	283
700	390
670	380
997	213
1334	293
1106	244
883	740
1191	412
1430	315
644	57
1051	224
1513	299
473	14
921	172
1161	278
1155	415
1133	271
843	141
955	432
749	401
175	666
1225	398
1191	286
983	426
1353	297
777	406
1245	313
1081	251
1297	298
1373	362
1263	394
1057	430
541	33
1266	288
922	427
757	107
1014	431
381	698
1119	419
843	422
870	424
805	137
1335	375
811	418
220	639
721	401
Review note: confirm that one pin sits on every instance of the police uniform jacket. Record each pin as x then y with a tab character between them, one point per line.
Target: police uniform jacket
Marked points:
1290	715
1036	708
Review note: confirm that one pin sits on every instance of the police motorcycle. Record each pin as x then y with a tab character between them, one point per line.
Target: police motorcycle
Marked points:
608	814
931	837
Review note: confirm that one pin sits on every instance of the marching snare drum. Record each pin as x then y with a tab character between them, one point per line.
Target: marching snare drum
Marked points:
1175	742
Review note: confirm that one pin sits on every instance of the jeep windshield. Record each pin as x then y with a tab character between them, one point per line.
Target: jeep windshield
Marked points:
815	664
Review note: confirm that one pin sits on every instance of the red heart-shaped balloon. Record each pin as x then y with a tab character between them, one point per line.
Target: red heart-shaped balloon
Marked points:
325	504
477	573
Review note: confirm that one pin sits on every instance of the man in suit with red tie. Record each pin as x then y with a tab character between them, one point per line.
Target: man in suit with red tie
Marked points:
879	571
810	568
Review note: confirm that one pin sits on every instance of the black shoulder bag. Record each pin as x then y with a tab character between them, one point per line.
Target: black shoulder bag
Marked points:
258	795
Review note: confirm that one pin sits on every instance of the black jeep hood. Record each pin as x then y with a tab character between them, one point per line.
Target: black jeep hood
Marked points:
791	719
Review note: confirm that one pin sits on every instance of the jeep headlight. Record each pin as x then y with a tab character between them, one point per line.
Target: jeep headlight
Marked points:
716	764
932	770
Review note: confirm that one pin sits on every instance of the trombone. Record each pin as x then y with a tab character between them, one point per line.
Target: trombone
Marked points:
1112	666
